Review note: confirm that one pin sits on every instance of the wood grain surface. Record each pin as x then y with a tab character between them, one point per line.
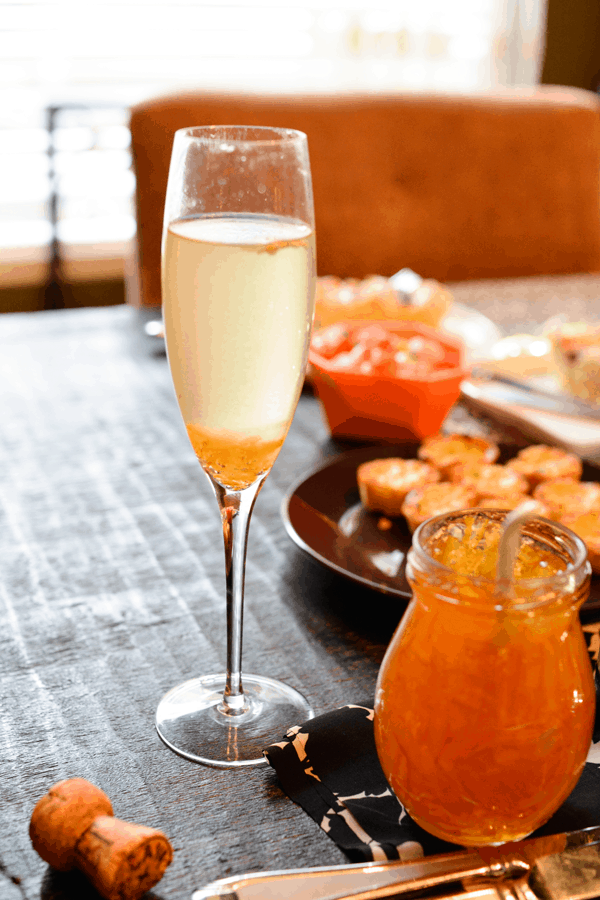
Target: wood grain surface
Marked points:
112	592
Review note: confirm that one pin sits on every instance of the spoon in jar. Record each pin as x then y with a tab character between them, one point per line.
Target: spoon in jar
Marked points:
510	540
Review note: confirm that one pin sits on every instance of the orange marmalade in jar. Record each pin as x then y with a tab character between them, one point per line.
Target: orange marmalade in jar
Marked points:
484	705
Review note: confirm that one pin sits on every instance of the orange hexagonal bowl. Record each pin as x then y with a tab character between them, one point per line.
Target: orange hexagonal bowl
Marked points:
385	407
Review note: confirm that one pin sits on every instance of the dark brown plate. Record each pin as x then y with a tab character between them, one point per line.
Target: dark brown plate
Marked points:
323	515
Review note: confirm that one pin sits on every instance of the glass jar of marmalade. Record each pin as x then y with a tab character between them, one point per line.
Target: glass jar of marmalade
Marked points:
485	698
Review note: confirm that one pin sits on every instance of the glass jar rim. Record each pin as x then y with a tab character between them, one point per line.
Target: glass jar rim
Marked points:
578	566
242	135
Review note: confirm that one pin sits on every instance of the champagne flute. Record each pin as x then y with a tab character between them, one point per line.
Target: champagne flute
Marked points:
238	282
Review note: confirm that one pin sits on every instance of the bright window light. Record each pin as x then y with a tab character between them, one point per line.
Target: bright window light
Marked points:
98	230
89	60
25	233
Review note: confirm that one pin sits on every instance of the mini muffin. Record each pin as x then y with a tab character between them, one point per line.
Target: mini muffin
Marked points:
587	526
489	480
541	463
444	451
512	503
566	496
384	483
435	500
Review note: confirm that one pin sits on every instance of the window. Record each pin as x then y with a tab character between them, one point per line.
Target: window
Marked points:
69	69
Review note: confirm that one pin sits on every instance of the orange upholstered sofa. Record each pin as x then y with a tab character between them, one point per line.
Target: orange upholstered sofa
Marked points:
455	187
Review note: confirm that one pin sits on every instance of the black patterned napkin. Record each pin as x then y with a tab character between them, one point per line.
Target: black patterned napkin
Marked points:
329	766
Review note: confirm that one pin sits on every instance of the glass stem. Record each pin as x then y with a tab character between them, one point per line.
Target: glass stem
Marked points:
236	508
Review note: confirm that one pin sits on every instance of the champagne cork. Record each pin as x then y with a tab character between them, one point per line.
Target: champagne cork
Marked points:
73	826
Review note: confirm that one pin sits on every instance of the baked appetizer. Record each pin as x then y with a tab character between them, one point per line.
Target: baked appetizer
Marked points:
384	483
512	503
587	526
435	500
566	496
374	298
445	451
489	480
540	463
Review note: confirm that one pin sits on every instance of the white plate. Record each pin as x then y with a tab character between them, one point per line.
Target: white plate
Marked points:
478	333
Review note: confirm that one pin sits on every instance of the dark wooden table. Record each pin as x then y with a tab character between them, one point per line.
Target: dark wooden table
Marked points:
112	592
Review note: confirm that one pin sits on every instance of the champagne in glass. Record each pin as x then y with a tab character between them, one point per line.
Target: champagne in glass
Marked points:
238	276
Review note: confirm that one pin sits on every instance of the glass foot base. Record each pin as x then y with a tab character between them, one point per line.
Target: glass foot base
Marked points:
190	720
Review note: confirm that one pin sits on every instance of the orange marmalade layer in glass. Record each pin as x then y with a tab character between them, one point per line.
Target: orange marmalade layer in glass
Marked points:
233	460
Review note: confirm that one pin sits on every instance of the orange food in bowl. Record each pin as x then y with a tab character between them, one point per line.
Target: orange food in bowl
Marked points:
384	483
385	380
445	451
374	348
435	500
